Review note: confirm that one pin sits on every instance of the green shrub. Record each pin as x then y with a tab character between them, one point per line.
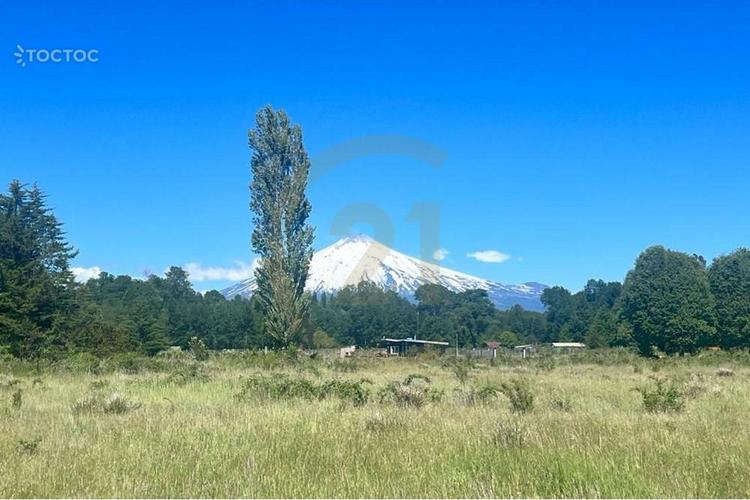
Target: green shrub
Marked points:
16	400
519	394
186	373
345	365
378	423
28	446
97	402
561	404
545	363
353	392
81	362
460	367
511	435
129	362
416	377
477	395
198	348
664	397
97	385
282	386
413	391
118	404
9	383
695	386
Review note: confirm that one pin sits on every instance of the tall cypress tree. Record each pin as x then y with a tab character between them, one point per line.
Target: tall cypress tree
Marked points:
281	237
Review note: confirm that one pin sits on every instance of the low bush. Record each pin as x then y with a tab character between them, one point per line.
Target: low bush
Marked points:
664	397
129	362
81	362
345	365
378	423
28	446
285	387
186	373
561	404
477	395
198	349
96	402
9	383
412	391
460	367
118	404
519	394
416	377
511	435
695	386
17	399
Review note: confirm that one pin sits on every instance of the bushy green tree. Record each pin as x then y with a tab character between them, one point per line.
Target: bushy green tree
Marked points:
281	237
729	276
667	302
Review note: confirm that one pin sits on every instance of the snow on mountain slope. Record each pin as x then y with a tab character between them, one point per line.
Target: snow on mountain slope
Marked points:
352	260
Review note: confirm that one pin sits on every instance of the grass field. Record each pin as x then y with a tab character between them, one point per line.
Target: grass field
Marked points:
180	428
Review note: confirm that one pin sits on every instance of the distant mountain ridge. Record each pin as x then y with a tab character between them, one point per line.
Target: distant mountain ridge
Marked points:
354	259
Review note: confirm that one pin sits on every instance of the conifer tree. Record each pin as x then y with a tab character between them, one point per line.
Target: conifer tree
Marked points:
36	285
281	236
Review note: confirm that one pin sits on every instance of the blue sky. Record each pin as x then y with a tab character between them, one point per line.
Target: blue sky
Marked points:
574	134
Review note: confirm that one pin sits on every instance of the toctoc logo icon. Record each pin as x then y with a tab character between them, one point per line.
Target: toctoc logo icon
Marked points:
26	56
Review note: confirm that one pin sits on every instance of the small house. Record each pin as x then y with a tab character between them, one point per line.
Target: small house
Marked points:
403	347
493	346
525	349
348	351
568	346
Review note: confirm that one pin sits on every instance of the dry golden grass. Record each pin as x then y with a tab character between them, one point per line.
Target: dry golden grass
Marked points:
587	435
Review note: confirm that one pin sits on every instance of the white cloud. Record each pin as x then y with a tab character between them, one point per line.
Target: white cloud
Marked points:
492	256
440	254
83	274
240	271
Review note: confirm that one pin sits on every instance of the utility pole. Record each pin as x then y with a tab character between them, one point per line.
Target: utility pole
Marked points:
418	325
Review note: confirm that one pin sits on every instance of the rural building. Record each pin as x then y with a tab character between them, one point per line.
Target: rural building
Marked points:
525	349
403	347
493	346
568	346
348	351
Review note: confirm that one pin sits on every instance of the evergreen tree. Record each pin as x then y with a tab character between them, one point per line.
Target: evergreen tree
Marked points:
281	237
667	302
185	314
729	276
36	285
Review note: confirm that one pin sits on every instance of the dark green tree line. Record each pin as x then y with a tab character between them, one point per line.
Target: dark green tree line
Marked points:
670	302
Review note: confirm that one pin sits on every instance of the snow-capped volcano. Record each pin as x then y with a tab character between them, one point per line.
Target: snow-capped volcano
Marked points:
354	259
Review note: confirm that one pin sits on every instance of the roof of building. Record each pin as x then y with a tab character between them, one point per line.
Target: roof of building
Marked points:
413	341
568	344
